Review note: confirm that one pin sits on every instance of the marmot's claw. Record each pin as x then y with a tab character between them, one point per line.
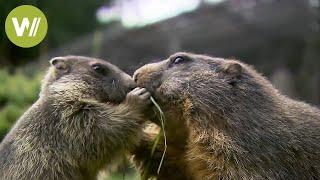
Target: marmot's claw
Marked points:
138	97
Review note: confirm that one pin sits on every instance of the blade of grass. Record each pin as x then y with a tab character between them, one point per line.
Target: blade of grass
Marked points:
162	120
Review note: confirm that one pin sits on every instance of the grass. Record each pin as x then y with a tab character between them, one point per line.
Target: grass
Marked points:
122	171
17	93
156	142
162	132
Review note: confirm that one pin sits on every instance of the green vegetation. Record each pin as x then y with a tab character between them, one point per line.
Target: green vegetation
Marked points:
127	174
17	93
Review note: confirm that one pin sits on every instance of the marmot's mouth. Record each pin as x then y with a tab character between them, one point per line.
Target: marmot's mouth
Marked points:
157	94
155	86
154	90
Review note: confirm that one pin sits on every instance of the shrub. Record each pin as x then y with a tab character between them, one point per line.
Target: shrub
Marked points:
17	93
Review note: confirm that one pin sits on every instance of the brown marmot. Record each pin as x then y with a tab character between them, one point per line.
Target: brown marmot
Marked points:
229	122
83	119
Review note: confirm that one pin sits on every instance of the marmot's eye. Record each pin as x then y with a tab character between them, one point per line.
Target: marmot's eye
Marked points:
99	69
178	60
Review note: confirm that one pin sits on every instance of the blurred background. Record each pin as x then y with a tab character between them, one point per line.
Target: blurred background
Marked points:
279	37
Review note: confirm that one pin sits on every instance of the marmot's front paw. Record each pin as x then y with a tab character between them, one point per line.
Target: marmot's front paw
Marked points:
138	98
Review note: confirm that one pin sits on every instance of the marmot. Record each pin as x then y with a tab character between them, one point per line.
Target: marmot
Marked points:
83	119
235	124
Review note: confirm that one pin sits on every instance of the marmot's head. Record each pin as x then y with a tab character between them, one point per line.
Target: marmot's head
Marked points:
198	84
84	77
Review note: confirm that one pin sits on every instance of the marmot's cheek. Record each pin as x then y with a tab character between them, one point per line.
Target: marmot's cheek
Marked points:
158	92
116	95
164	93
155	85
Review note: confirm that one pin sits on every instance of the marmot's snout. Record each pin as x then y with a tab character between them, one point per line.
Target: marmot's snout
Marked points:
128	82
149	76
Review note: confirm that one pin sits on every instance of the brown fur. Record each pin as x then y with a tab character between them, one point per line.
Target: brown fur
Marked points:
236	124
78	124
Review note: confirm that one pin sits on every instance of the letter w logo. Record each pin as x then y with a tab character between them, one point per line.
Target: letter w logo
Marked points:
25	25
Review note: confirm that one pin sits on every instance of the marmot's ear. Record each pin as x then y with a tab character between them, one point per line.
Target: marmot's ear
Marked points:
233	72
59	63
233	69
